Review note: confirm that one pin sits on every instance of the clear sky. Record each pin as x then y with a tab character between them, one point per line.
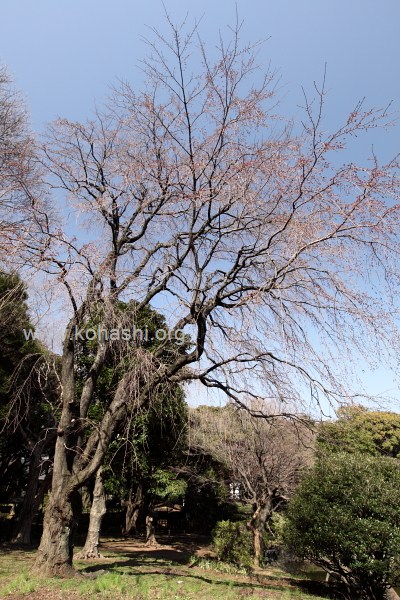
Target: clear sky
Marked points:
63	54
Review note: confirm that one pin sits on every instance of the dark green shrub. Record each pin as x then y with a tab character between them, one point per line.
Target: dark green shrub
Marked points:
345	517
233	543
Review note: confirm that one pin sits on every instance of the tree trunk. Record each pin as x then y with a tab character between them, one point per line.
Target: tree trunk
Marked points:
55	553
54	557
150	531
132	511
258	547
22	530
33	499
97	512
75	461
391	594
257	526
35	488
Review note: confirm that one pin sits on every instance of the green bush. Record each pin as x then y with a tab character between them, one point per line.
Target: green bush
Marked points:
232	543
277	524
345	517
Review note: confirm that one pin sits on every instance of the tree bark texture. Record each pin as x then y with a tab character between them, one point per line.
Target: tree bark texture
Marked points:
97	512
54	557
132	511
257	526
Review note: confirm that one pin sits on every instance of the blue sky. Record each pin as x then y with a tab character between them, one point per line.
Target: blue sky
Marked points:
64	55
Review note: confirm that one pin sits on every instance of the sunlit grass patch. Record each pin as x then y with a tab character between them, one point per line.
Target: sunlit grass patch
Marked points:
138	576
22	583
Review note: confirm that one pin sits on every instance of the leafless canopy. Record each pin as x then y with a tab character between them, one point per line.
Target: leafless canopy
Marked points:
19	176
195	198
265	458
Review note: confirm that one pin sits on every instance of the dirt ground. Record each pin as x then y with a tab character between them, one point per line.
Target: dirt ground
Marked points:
178	549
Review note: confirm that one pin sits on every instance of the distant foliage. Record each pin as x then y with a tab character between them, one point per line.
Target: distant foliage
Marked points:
358	429
167	486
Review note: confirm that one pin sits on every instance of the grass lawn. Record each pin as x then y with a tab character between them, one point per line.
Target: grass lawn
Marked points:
178	571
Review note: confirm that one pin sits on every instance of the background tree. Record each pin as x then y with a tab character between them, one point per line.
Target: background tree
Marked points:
264	458
29	398
98	509
208	498
20	179
345	518
23	212
362	430
193	198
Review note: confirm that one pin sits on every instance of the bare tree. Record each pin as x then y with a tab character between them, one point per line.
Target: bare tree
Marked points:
192	196
20	177
265	458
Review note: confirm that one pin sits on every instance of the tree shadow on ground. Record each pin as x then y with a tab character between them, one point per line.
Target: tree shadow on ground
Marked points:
152	563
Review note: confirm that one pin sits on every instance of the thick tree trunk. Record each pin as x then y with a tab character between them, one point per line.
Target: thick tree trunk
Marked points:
132	511
257	526
54	557
97	512
75	460
55	553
